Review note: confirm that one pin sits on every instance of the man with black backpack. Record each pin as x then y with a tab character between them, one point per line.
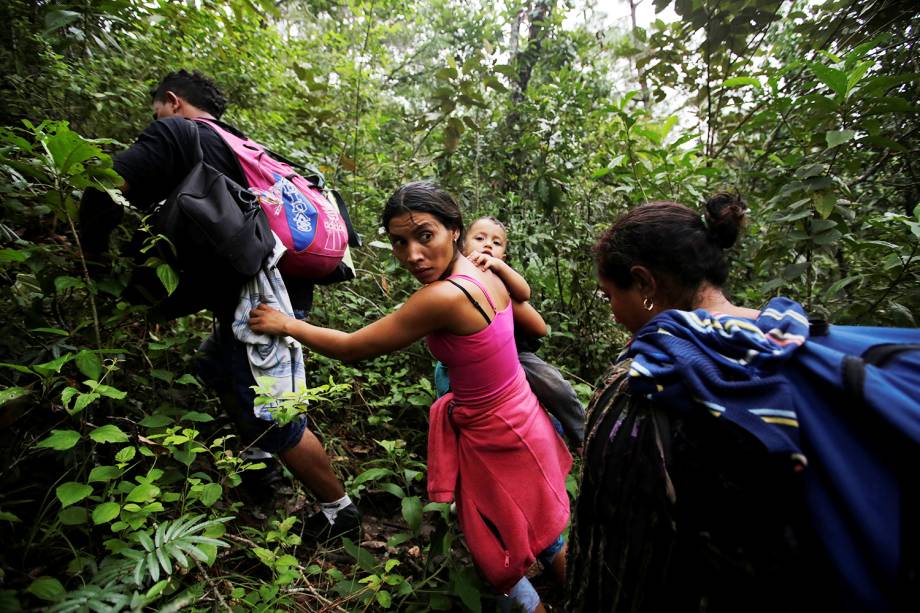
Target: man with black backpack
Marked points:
187	130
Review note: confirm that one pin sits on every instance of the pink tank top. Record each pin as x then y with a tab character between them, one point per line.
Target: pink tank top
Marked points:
484	365
493	450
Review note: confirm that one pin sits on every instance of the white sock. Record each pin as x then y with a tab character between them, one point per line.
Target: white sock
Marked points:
331	509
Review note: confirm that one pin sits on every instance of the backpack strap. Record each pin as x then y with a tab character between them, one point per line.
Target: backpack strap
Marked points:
313	176
199	153
354	239
216	129
471	299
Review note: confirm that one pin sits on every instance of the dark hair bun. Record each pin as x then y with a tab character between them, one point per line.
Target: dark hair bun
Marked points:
724	217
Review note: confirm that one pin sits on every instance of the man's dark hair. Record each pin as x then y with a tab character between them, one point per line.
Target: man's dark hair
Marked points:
194	87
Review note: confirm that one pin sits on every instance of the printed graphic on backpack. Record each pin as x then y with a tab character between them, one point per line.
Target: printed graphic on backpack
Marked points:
284	198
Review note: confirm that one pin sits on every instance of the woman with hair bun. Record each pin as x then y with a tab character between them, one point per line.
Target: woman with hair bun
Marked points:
663	255
678	510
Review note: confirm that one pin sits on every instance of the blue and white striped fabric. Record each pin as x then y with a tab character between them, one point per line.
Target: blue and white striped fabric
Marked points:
861	435
277	358
729	364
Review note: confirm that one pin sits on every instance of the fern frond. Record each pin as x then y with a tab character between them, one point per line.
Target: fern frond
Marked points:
103	598
113	570
172	540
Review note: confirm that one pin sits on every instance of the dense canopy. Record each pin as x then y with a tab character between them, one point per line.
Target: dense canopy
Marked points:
119	476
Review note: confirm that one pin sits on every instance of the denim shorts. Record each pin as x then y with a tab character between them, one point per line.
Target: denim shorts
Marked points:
224	367
523	593
547	556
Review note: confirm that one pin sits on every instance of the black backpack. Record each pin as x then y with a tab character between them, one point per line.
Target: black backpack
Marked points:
216	235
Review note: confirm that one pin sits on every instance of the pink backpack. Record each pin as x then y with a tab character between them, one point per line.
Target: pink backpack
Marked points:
308	224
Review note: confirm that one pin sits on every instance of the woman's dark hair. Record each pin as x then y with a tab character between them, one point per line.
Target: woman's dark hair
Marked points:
194	87
425	197
680	246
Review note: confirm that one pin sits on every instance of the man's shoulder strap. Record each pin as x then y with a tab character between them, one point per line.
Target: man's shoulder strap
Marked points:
313	176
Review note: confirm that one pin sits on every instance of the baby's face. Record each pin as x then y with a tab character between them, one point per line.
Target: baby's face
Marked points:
486	236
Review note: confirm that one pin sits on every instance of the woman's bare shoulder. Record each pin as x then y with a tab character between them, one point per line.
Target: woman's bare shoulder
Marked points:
439	293
488	279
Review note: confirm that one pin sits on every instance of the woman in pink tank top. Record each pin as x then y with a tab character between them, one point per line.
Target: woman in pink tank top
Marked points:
491	448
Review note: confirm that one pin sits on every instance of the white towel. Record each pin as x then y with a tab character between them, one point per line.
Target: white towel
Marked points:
280	358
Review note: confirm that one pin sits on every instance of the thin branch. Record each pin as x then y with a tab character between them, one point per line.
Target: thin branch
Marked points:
787	83
357	114
872	171
213	586
425	136
893	284
391	76
762	36
880	164
88	280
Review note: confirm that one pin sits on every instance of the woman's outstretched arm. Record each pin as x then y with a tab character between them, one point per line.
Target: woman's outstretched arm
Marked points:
426	311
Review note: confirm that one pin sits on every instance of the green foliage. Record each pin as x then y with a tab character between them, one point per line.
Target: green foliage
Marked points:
116	461
170	543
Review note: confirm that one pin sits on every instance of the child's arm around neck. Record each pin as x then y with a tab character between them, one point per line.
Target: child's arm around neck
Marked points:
518	288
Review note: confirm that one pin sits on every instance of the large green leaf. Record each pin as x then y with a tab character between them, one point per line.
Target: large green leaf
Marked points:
105	390
372	474
58	18
144	492
65	282
60	440
157	420
72	492
833	78
13	255
362	556
126	454
211	493
824	202
466	585
838	137
412	512
54	366
108	433
73	516
168	278
67	148
89	364
105	512
104	473
856	75
46	588
741	82
12	393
